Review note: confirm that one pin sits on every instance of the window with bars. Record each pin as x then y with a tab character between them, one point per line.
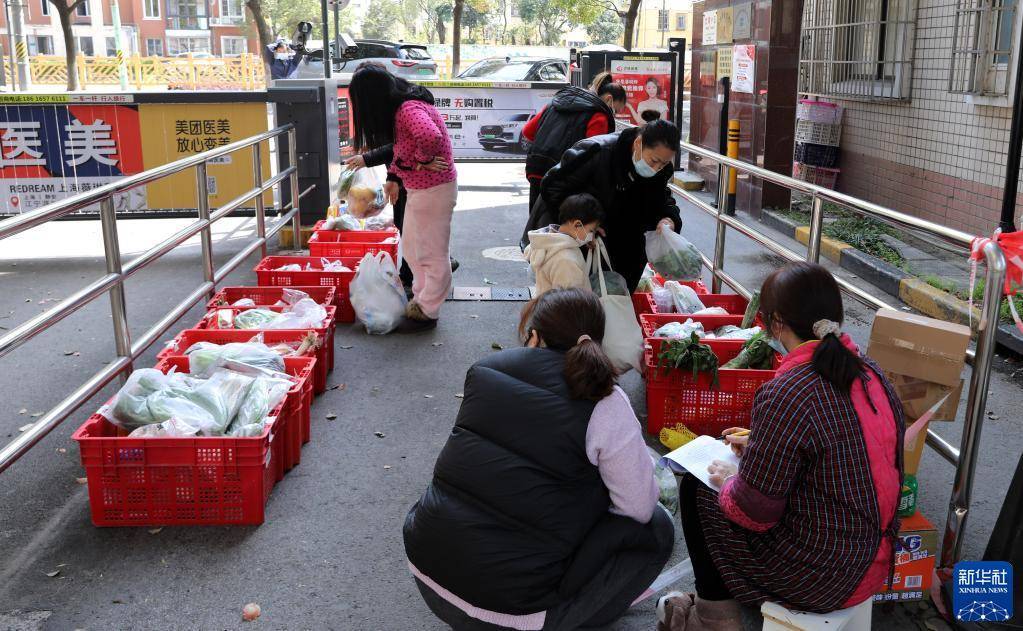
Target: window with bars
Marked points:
662	20
982	47
680	22
154	47
857	49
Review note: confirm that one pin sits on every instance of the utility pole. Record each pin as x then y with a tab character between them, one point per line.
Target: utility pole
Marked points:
10	45
20	44
1008	220
337	27
122	71
328	61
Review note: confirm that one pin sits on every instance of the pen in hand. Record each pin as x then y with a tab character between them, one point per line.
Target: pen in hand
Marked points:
741	432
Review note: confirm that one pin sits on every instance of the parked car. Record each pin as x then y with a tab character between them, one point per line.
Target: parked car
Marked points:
518	69
506	133
410	61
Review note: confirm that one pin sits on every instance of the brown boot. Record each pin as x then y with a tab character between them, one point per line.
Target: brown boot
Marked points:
716	615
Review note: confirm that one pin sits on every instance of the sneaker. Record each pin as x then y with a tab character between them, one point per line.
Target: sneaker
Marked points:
454	264
414	312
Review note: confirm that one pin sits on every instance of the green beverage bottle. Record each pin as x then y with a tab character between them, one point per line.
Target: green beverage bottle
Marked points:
907	498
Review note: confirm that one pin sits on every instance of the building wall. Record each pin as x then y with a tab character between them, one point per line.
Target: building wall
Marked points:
937	156
647	33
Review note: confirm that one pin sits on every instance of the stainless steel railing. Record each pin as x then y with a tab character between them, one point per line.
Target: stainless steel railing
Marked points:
117	271
965	457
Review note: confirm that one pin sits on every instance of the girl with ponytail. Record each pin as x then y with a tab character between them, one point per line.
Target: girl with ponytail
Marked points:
542	513
809	516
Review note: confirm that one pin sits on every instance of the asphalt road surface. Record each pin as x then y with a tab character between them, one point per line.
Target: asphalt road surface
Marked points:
330	554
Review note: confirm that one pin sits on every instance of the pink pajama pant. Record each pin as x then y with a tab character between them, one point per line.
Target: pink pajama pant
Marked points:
425	239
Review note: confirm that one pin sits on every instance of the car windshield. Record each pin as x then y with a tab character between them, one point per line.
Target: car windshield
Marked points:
499	70
414	52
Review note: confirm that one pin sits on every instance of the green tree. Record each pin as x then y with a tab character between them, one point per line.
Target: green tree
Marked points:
382	20
606	29
553	17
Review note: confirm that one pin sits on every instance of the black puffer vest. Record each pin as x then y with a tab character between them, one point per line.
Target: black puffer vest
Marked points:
513	495
562	125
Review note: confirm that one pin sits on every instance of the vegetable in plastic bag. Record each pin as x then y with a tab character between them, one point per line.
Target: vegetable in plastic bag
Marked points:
343	222
221	396
263	397
305	314
244	302
648	281
203	356
255	319
344	181
711	311
292	296
732	332
171	428
664	300
616	285
756	354
377	295
225	319
379	223
131	408
676	330
684	297
689	354
672	256
667	485
364	193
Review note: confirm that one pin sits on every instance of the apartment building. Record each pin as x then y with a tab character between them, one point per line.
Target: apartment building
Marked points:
659	20
927	87
148	28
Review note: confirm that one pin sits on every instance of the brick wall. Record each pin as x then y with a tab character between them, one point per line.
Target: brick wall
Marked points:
937	156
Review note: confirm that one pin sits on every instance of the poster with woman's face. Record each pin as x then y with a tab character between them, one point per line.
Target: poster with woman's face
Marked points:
648	86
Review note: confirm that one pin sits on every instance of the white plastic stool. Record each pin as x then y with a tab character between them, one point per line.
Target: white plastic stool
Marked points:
778	618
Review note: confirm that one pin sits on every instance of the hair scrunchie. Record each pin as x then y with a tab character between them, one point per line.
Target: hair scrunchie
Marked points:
824	328
583	338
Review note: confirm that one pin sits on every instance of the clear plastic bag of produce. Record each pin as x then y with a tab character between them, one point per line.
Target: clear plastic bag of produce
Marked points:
364	194
648	281
304	314
672	256
732	332
379	223
343	222
291	296
680	330
131	406
244	302
172	428
377	295
328	265
615	282
684	297
255	319
203	357
220	396
664	300
290	267
345	181
667	485
711	311
265	394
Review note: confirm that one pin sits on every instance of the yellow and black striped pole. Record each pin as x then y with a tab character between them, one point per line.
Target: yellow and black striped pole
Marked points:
733	152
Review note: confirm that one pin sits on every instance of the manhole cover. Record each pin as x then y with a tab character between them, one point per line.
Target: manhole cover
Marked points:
505	253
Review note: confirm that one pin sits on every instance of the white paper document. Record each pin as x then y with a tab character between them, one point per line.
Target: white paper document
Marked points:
695	456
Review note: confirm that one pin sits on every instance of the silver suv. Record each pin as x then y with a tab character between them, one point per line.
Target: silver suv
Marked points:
409	61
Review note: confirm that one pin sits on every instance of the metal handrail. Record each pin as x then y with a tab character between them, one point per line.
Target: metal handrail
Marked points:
965	457
113	280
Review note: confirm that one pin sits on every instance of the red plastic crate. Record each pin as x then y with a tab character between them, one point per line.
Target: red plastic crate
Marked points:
366	235
732	303
674	396
178	481
267	277
267	296
188	337
295	413
326	333
643	303
353	243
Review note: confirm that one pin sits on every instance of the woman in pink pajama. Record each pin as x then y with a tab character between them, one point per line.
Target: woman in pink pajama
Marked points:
387	109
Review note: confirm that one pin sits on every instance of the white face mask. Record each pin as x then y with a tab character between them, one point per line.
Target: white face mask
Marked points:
642	168
282	56
582	242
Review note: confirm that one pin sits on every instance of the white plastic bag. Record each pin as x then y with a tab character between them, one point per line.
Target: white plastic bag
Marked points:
203	357
376	294
663	299
290	267
304	314
332	266
711	311
623	338
680	330
672	256
685	298
379	223
244	302
343	222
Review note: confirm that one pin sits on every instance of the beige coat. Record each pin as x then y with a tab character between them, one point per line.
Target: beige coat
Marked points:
556	260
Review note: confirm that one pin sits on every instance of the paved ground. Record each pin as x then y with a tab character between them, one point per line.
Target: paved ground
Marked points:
330	552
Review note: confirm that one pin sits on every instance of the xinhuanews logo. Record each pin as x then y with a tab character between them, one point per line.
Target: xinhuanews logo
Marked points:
982	591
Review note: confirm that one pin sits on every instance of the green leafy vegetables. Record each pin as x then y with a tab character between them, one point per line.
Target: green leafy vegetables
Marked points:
689	354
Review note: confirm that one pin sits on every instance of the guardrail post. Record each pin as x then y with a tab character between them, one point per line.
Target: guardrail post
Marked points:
719	239
118	308
813	245
257	182
976	404
202	193
296	219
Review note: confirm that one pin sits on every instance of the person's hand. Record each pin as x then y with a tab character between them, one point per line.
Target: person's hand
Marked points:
666	223
355	162
737	443
438	164
391	191
720	471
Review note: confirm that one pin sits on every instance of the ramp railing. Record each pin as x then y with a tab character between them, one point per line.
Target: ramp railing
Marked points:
118	271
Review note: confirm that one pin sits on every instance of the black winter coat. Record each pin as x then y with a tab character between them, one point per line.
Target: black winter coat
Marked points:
562	124
602	167
516	518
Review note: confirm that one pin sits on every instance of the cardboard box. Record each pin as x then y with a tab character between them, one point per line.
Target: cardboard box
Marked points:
913	450
915	556
923	358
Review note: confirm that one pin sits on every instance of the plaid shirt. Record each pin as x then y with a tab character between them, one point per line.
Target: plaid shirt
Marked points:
810	463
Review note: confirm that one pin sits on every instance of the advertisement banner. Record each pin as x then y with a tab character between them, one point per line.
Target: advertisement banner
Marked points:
485	119
345	125
743	68
50	152
647	83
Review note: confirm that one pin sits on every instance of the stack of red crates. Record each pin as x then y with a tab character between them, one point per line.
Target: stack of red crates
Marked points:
677	397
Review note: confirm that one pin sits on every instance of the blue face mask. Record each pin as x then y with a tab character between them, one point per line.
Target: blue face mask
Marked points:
778	346
642	168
